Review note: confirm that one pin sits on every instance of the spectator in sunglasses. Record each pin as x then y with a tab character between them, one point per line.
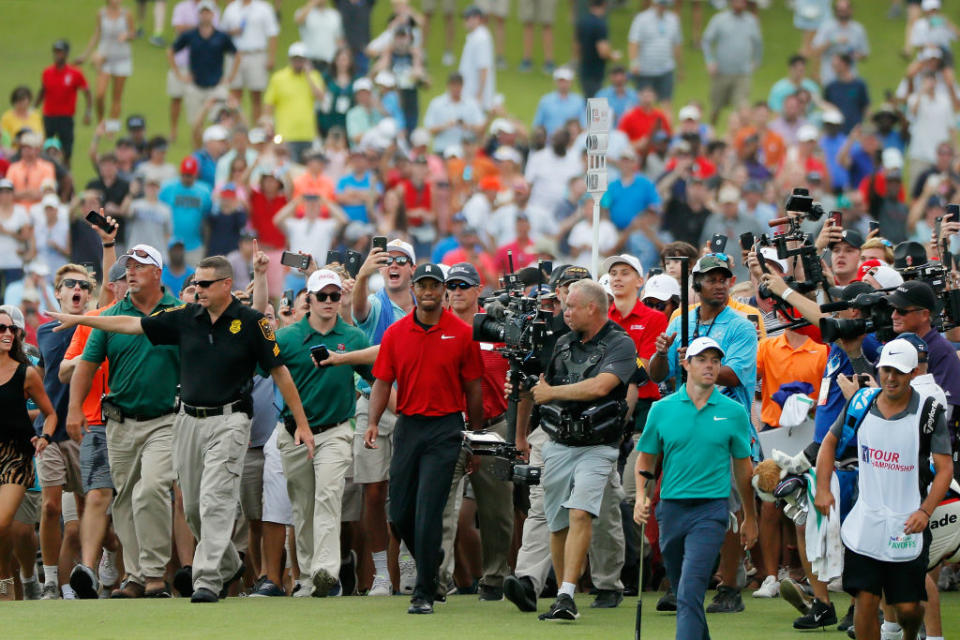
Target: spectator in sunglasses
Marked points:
661	292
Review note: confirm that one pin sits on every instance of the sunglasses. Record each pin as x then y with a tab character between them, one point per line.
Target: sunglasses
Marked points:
452	286
70	283
905	312
140	253
653	303
203	284
332	297
8	327
399	260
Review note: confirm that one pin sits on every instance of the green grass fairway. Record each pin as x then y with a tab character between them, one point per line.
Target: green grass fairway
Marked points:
461	618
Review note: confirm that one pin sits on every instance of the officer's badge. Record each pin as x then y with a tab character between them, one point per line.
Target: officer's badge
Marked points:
235	327
266	329
276	349
341	348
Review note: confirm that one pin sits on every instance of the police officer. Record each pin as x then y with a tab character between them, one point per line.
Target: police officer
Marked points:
436	364
223	341
583	405
316	486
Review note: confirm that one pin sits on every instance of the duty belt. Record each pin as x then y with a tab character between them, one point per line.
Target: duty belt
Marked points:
114	412
210	412
291	426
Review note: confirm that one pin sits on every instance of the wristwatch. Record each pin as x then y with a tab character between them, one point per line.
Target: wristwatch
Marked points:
47	437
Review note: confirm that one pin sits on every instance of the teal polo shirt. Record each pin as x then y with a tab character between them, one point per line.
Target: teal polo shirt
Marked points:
143	376
696	444
327	393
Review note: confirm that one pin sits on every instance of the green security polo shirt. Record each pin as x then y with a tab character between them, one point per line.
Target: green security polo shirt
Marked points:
327	393
696	444
143	377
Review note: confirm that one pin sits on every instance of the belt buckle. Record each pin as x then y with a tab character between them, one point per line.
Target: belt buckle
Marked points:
200	412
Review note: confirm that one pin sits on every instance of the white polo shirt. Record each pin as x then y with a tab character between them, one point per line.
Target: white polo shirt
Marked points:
478	55
257	21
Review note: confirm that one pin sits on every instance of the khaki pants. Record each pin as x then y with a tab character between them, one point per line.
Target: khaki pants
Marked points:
316	494
208	455
495	510
141	465
194	99
729	90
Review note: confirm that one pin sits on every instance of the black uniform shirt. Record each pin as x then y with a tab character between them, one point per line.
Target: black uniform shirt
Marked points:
619	357
217	361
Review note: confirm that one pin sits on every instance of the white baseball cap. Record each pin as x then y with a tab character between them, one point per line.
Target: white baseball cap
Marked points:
385	79
899	354
507	154
930	5
887	277
699	345
563	73
50	200
144	254
256	135
502	125
622	259
206	4
322	278
297	50
215	132
661	287
15	315
807	133
832	116
402	247
770	255
362	84
689	112
419	137
728	194
604	282
891	158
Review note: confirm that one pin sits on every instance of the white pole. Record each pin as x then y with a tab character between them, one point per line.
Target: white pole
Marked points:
595	254
598	130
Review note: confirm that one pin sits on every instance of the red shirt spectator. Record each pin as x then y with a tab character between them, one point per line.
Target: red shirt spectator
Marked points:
639	122
484	263
262	210
416	198
643	325
60	87
523	255
495	369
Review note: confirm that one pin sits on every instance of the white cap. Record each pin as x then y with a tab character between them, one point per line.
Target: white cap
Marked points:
886	276
206	4
563	73
419	137
402	247
38	267
507	154
50	200
728	193
622	259
930	52
807	132
385	79
15	315
930	5
453	151
297	50
322	278
153	256
604	282
256	136
832	116
699	345
770	255
891	158
689	112
215	132
362	84
899	354
31	139
502	125
661	287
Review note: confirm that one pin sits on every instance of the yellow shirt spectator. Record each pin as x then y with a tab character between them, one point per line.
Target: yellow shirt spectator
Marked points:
292	101
11	123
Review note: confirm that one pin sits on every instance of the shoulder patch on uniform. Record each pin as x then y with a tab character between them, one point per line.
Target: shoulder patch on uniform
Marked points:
176	308
276	349
265	329
235	326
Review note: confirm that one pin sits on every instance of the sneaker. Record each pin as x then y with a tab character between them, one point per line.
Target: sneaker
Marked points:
489	593
348	574
420	606
549	67
525	66
84	582
819	616
323	582
50	592
471	589
892	635
847	621
793	593
7	589
301	589
501	63
68	592
782	574
563	608
607	599
851	633
381	587
108	568
520	592
32	590
158	41
770	588
183	581
668	601
204	595
267	589
727	600
408	572
447	60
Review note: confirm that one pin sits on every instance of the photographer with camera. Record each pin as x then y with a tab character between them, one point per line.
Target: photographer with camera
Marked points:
844	245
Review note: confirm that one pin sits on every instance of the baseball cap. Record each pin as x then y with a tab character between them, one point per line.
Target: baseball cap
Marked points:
807	133
887	277
507	154
661	287
913	293
689	112
385	79
136	122
490	183
699	345
850	291
116	272
922	349
770	255
502	125
215	132
909	254
144	254
832	116
15	315
930	5
403	247
61	45
419	137
428	270
568	273
356	230
546	246
188	167
853	238
563	73
297	50
206	4
891	158
604	282
463	271
50	200
52	143
899	354
322	278
713	261
256	136
472	10
729	194
622	259
362	84
6	184
37	267
31	139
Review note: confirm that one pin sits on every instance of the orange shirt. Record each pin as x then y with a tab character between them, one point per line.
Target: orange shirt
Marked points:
772	147
778	363
91	404
319	186
30	177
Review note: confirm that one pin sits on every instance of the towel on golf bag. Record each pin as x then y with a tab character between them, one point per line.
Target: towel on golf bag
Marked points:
824	548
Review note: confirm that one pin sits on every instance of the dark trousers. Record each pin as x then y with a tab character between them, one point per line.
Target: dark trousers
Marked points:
425	452
691	534
61	128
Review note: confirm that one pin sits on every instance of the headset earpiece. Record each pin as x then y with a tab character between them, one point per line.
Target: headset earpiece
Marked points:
696	284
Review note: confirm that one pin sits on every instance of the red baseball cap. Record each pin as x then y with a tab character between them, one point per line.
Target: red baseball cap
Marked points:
189	166
490	183
865	268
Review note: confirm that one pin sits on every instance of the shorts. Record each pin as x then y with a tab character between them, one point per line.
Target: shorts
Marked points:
252	74
94	463
16	467
661	84
68	507
352	502
122	67
537	11
251	484
372	465
729	90
276	505
175	88
446	6
29	511
498	8
574	478
59	466
896	581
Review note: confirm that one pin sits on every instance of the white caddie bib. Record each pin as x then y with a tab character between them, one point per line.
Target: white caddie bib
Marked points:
889	485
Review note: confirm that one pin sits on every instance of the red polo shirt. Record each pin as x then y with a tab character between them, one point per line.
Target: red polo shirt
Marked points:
431	366
639	122
60	87
643	325
495	369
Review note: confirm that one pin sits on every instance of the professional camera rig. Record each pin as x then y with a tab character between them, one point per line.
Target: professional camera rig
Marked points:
507	463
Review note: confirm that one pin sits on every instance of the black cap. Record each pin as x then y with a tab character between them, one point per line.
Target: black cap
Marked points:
913	293
568	273
918	343
909	254
136	122
850	291
428	270
472	10
61	45
853	238
464	271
